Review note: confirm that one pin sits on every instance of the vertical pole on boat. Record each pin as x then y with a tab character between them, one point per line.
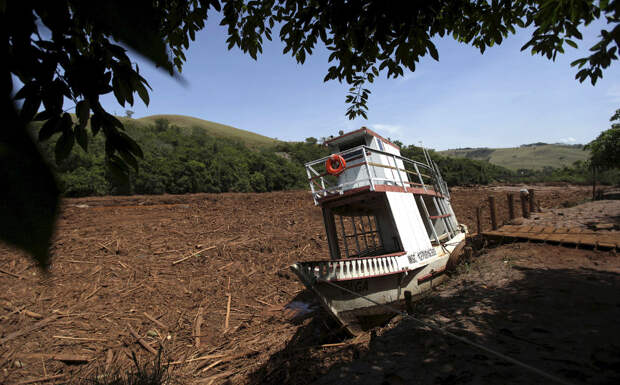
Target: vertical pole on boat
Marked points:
451	217
311	184
478	222
379	235
511	206
493	212
419	176
357	242
344	237
400	177
372	184
441	213
332	236
428	217
524	208
372	235
364	231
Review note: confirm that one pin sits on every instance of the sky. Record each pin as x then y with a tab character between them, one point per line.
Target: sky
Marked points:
503	98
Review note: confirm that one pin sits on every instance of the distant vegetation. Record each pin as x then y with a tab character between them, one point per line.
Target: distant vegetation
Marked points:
467	171
188	155
186	159
534	156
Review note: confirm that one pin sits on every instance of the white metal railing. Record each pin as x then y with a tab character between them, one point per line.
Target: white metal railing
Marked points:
343	269
426	176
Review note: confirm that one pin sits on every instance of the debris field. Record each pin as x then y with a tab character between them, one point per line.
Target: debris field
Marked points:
204	276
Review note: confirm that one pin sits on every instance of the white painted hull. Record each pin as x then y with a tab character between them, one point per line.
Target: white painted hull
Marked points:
387	287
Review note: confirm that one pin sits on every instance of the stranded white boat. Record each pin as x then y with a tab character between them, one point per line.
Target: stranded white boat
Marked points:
389	224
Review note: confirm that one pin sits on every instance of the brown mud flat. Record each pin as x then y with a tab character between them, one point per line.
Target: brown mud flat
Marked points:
113	270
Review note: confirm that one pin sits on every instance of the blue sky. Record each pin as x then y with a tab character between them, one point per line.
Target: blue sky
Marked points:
503	98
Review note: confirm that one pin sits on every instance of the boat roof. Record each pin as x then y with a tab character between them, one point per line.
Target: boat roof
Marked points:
355	135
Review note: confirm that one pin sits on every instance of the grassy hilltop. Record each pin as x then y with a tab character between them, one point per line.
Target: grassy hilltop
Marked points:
251	139
533	157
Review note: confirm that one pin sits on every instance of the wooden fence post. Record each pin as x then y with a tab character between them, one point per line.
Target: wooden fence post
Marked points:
478	223
532	200
511	206
524	208
493	211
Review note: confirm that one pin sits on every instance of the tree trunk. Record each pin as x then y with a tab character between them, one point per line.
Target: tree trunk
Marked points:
593	183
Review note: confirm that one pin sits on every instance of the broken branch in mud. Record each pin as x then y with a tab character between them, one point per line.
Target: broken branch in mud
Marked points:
197	326
11	274
141	341
202	358
192	255
154	320
80	338
42	379
28	329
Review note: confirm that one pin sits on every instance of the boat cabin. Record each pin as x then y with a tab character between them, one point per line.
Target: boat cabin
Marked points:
380	203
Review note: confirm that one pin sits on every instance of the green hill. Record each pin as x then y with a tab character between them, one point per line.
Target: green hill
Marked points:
534	156
216	129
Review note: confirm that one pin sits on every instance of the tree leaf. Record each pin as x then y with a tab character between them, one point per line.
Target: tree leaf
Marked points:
143	93
82	110
29	196
64	145
50	127
30	107
81	136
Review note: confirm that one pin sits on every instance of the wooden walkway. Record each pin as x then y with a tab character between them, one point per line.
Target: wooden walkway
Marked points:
577	237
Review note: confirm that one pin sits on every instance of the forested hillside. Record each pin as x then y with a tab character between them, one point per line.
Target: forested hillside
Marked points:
185	158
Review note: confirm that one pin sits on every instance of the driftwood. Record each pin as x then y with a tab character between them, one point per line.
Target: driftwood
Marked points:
227	312
11	274
207	357
28	329
80	338
197	326
108	360
63	357
42	379
192	255
216	376
159	323
141	341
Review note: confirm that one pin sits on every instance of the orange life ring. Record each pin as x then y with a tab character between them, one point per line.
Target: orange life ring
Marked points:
335	164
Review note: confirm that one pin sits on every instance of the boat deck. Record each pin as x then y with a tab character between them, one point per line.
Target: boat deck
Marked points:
577	237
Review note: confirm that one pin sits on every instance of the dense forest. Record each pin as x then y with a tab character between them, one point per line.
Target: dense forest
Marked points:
189	160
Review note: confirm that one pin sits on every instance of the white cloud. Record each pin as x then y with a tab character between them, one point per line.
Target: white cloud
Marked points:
389	128
614	93
568	140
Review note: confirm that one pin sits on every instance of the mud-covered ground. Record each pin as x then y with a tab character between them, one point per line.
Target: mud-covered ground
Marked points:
552	308
119	265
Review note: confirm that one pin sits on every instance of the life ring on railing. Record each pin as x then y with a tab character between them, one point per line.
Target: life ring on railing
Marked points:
335	164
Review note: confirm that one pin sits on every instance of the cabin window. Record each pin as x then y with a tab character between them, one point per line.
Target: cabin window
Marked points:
380	143
358	235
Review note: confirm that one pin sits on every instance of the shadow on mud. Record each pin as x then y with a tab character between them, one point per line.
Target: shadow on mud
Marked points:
564	322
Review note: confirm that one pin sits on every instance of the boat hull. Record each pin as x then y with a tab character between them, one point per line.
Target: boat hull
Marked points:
360	303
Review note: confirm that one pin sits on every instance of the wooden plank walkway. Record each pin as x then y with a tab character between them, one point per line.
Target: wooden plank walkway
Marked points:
560	235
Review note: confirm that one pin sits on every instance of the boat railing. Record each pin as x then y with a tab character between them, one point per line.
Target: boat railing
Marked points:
368	167
347	269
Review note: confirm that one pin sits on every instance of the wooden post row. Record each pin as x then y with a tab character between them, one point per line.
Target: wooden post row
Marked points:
532	200
493	212
511	206
524	208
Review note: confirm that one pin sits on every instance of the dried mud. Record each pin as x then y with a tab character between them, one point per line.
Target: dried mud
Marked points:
114	270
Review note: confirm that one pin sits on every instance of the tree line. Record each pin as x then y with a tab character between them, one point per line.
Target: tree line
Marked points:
190	160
